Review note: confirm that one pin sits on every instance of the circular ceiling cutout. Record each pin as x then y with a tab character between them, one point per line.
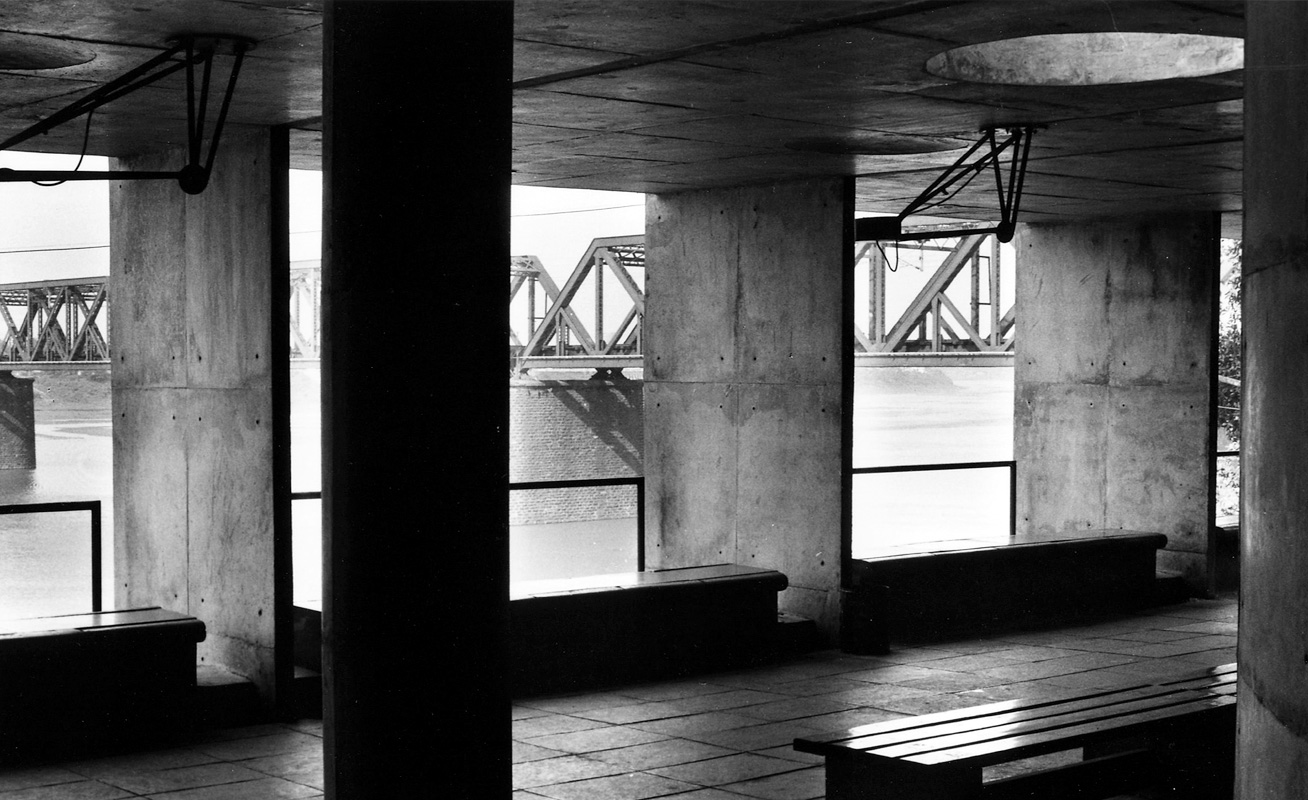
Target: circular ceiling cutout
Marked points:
18	51
873	144
1090	59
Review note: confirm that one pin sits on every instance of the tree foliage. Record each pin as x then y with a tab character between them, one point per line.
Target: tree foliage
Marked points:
1230	347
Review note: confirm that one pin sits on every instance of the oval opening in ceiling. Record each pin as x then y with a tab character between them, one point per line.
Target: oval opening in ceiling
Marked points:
18	51
1090	59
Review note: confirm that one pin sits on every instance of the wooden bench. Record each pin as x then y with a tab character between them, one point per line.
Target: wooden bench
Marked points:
1178	735
587	632
82	681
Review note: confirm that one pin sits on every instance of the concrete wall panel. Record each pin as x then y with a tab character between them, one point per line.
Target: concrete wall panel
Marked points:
1112	424
149	474
148	274
786	316
744	327
193	402
227	265
1066	492
689	444
789	486
230	547
694	289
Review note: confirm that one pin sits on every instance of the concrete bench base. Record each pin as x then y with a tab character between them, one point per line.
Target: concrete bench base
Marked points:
595	631
943	595
92	681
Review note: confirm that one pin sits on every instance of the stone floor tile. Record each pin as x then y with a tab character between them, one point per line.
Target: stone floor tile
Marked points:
245	732
1209	658
32	777
640	712
796	708
728	769
548	771
630	786
946	681
589	741
804	784
724	701
663	753
526	712
912	655
1184	646
148	761
673	690
257	746
1155	635
843	720
552	723
76	790
692	725
1056	666
303	767
313	727
570	704
524	752
759	737
172	780
789	753
813	686
263	789
898	673
930	704
876	694
967	663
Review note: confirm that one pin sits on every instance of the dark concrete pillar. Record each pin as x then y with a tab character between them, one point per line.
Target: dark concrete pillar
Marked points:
416	158
196	370
1272	752
1113	382
17	422
746	436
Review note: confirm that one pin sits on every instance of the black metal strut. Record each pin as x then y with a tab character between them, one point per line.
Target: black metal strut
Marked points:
186	52
1010	199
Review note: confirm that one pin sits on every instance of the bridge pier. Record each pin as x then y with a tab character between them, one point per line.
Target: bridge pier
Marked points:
17	422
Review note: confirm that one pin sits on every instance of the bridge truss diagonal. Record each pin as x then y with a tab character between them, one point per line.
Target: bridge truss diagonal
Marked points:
932	327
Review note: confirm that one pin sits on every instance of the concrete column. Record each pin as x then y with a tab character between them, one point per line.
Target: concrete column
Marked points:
416	158
1112	426
746	442
195	366
17	422
1272	750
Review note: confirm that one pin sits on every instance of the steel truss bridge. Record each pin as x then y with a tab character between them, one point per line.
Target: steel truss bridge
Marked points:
65	324
593	320
548	331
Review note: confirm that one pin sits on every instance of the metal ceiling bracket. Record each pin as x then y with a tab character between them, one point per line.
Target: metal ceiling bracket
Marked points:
186	52
964	169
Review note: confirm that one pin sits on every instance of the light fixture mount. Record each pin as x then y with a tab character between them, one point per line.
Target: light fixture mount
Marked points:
964	169
185	52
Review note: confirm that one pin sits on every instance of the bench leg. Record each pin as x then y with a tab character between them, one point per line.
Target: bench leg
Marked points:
868	779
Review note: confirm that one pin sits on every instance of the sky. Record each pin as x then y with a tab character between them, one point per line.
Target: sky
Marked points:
63	231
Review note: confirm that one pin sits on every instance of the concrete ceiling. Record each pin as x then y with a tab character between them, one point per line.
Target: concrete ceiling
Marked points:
671	96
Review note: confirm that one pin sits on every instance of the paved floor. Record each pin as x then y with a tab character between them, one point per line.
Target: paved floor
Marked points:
718	737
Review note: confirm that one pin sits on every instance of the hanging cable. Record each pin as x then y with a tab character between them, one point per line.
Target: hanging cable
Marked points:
86	138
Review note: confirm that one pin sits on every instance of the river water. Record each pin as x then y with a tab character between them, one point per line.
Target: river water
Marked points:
902	416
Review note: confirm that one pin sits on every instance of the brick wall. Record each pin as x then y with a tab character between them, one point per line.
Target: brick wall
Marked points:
562	430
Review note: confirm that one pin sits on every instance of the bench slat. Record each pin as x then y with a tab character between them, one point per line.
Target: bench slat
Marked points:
1100	706
1037	743
823	744
1057	722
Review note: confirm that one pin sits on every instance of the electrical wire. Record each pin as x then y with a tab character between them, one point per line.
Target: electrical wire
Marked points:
86	138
